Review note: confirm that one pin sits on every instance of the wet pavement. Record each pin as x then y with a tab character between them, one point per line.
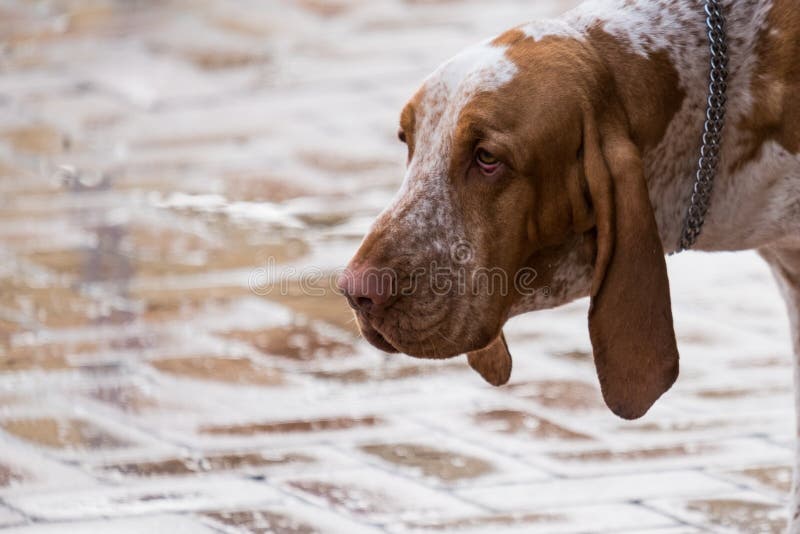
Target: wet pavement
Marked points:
168	170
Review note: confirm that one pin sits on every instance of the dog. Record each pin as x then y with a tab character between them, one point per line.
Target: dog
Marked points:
566	149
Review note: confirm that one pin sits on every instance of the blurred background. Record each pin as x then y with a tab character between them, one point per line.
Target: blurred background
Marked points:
169	170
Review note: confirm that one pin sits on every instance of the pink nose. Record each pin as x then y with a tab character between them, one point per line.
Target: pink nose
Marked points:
366	288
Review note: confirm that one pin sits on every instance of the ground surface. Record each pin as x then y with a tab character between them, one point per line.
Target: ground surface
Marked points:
155	155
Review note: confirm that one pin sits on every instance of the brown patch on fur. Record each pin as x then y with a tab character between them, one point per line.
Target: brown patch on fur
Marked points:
774	86
649	88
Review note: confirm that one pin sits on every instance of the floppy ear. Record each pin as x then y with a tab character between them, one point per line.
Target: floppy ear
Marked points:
630	319
493	363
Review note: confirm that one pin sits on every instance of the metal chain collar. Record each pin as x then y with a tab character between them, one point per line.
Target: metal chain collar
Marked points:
712	132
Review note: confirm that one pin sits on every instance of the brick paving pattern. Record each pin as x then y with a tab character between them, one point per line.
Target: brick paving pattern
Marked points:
162	164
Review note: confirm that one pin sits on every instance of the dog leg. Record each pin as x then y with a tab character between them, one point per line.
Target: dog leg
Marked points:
785	265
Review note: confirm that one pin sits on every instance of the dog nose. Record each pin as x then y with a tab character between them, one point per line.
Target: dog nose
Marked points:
366	288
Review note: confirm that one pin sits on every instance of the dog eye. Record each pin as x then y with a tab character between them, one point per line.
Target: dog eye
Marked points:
486	158
401	135
487	161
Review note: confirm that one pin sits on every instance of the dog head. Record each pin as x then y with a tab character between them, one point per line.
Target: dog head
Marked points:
524	190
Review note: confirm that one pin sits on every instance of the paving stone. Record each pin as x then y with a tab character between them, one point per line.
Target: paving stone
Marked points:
34	139
112	263
518	422
516	430
229	370
614	518
26	470
443	464
74	434
299	342
291	517
190	465
516	498
386	373
154	523
128	398
375	496
731	512
54	306
9	476
778	478
161	305
144	498
9	517
261	522
328	307
703	454
570	395
292	427
741	514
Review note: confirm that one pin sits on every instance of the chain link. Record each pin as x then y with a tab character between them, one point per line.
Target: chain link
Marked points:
712	131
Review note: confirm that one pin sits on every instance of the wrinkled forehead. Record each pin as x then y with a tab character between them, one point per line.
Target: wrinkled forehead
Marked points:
479	69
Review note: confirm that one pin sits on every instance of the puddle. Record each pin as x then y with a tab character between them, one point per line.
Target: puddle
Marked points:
293	427
517	422
72	434
445	465
218	369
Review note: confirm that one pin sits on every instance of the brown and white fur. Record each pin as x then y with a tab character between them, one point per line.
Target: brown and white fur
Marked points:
594	120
